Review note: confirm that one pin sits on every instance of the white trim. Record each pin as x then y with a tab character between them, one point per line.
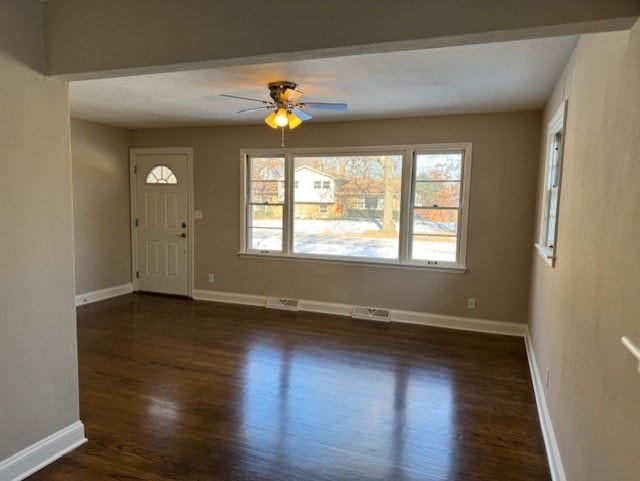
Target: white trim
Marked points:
102	294
546	253
42	453
132	219
406	317
633	348
229	297
460	323
372	149
353	261
326	308
466	203
188	151
550	441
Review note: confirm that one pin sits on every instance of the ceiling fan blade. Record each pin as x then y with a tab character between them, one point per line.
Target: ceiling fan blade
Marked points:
291	95
244	98
254	108
322	105
302	115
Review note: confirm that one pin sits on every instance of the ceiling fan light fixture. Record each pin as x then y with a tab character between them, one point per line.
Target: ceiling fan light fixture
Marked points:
281	118
294	120
271	121
284	108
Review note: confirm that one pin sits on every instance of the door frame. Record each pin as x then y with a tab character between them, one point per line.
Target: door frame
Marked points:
188	151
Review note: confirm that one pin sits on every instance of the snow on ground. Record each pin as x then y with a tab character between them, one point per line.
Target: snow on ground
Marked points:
326	237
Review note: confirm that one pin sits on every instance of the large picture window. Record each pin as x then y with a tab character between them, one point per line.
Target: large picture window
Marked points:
394	205
348	228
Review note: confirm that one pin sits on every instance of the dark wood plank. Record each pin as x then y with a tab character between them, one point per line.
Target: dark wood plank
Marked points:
185	390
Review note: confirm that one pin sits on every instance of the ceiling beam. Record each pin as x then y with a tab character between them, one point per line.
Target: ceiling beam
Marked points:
103	38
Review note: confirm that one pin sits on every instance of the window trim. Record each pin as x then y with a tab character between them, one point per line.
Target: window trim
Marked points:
556	125
408	153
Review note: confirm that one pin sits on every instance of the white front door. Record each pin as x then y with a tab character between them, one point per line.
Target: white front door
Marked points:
162	219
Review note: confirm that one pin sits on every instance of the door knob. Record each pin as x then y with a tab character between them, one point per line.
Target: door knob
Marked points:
183	235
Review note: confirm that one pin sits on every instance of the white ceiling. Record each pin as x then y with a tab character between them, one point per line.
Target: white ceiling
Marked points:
494	77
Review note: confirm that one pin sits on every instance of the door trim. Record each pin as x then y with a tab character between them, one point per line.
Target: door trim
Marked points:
188	151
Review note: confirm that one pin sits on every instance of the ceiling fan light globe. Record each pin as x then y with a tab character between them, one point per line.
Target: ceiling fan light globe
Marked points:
271	121
281	118
294	120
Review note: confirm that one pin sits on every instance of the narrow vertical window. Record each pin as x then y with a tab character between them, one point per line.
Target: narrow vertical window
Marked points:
552	181
265	203
435	216
553	186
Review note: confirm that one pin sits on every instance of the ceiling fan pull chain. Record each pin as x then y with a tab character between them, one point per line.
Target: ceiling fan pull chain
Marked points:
282	137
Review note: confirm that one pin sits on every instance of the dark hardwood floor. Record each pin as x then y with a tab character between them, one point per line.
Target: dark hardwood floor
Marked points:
185	390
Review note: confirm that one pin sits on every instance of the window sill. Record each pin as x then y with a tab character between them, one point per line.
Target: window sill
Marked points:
391	265
547	253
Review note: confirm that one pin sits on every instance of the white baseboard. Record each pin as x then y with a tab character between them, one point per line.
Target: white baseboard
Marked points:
103	294
42	453
326	308
460	323
550	441
229	297
408	317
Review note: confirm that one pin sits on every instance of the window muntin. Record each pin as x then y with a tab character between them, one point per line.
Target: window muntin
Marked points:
426	188
160	174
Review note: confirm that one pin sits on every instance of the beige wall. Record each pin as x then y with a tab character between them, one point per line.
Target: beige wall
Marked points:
38	362
581	308
95	35
505	157
101	211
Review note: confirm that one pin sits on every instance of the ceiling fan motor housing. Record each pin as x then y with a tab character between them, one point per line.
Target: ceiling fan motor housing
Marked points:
277	89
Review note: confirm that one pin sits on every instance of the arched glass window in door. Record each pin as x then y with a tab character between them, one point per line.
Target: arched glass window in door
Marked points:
161	174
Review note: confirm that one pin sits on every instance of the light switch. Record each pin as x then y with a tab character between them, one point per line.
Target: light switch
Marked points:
197	214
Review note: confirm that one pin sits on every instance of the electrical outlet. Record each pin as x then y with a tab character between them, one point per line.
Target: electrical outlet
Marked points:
471	303
211	278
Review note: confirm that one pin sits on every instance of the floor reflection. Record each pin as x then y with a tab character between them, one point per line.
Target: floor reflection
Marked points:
163	410
306	409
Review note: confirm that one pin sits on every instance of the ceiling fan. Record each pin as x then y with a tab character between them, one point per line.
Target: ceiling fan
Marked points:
286	111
